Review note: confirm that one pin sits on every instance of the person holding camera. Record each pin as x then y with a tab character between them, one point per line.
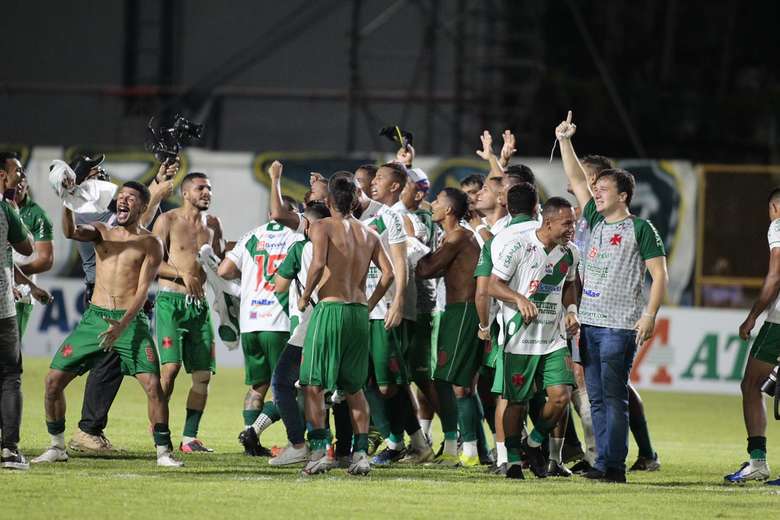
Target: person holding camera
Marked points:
764	356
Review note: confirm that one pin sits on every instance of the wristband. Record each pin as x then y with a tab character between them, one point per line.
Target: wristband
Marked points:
484	329
648	315
572	308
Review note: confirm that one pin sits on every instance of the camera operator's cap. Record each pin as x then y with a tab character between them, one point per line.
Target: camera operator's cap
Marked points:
418	176
82	164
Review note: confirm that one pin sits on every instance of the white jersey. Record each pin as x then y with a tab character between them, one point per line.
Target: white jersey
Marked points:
296	268
522	262
390	227
773	236
415	249
258	255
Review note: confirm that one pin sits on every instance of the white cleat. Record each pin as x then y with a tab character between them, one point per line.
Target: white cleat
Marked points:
166	460
752	470
319	462
291	455
52	454
361	465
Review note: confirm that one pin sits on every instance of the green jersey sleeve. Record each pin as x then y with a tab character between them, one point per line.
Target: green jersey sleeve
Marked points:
650	243
485	264
592	217
291	264
40	225
17	231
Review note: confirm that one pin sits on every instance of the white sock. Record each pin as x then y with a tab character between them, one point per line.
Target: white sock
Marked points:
501	454
451	447
418	442
58	440
556	447
162	450
261	423
186	440
397	446
470	449
425	425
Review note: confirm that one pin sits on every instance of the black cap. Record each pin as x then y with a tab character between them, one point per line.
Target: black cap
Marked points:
82	164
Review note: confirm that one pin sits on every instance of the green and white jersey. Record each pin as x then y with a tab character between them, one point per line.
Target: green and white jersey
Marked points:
258	255
39	224
614	272
12	231
296	268
773	236
521	261
426	289
390	227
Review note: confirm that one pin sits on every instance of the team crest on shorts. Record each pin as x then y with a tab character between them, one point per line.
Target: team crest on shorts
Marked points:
392	364
442	358
518	379
488	347
67	350
167	342
150	354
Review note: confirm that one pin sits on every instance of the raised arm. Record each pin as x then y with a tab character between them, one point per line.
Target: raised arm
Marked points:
487	154
318	235
380	259
571	164
81	233
160	189
149	268
508	150
435	264
277	210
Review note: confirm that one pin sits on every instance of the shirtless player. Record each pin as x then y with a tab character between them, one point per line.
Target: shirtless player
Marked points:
184	331
459	354
335	353
128	257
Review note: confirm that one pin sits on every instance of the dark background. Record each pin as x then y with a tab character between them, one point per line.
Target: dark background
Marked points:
668	78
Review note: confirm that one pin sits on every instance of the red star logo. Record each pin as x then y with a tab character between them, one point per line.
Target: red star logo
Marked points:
167	342
392	364
488	347
518	379
616	239
442	358
563	267
67	350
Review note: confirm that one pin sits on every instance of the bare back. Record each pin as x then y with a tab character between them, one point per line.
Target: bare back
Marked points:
350	249
120	256
459	275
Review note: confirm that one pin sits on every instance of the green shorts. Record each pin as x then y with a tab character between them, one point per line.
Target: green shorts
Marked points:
23	312
418	356
81	348
524	375
184	332
498	376
436	322
335	352
459	350
261	353
766	347
492	348
388	352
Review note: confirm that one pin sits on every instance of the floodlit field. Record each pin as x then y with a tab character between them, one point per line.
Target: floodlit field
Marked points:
699	438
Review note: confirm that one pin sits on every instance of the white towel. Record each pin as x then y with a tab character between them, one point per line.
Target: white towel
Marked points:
91	196
226	294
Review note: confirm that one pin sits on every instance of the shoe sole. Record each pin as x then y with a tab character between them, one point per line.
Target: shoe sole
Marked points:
289	463
16	466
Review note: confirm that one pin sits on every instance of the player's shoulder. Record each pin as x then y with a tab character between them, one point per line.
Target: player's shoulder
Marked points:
213	221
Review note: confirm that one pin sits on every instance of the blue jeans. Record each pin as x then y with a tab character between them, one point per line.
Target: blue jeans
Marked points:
607	355
283	386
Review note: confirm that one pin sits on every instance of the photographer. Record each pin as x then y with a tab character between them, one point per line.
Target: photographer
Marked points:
106	376
764	356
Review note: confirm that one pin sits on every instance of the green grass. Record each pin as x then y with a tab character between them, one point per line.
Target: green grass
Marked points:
699	438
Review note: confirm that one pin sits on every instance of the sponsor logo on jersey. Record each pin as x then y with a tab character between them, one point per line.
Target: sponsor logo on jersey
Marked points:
548	269
252	315
263	301
593	252
548	288
590	293
533	287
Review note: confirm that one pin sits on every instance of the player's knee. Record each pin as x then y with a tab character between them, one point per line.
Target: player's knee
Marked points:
200	382
387	391
52	385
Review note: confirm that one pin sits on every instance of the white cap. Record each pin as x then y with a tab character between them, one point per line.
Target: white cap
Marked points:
418	176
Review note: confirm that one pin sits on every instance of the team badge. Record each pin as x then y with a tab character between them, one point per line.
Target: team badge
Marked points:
167	342
563	267
67	350
616	239
392	364
442	358
518	379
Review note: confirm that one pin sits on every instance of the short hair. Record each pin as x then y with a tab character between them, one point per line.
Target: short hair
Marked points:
399	172
290	203
521	198
474	178
774	195
316	210
369	168
142	190
599	162
623	179
522	172
190	177
343	193
553	205
7	156
459	201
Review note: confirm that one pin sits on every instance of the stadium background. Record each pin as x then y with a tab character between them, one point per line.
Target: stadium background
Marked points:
683	93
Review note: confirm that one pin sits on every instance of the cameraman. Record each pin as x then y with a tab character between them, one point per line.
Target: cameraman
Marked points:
764	355
105	377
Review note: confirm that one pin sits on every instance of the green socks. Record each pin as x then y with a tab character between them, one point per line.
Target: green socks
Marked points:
192	422
448	406
318	439
467	418
250	416
360	442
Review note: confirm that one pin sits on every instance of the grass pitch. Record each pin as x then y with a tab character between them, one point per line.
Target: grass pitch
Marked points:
699	439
